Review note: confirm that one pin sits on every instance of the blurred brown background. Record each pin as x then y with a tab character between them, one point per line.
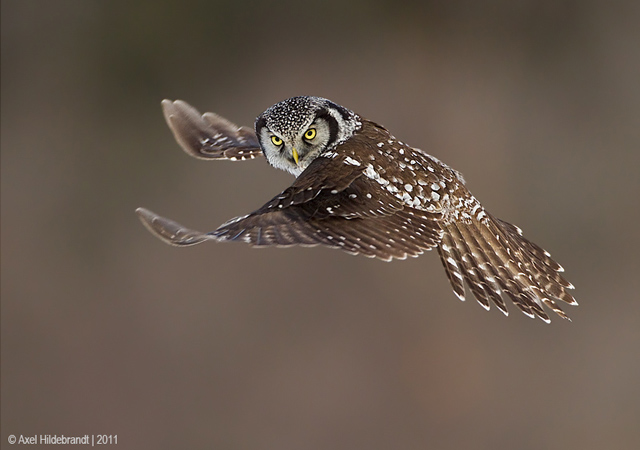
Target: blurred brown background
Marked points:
107	330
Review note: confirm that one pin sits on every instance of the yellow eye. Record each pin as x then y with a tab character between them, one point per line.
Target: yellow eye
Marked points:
276	141
310	134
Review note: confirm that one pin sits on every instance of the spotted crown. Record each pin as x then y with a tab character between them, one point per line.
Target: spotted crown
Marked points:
288	116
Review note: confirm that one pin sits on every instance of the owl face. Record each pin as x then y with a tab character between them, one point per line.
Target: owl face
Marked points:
294	132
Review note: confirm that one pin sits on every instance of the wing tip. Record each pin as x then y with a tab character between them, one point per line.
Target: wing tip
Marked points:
169	231
171	107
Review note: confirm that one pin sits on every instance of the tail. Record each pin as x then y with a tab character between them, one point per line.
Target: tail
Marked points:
497	262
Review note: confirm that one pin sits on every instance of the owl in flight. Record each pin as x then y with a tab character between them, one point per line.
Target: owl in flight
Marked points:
361	190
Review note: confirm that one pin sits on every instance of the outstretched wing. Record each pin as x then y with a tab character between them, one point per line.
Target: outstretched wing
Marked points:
209	136
169	231
497	262
345	211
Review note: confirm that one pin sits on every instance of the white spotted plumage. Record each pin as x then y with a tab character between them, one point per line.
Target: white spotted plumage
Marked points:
363	191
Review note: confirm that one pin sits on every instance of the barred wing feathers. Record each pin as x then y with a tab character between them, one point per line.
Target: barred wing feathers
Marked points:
496	262
335	213
209	136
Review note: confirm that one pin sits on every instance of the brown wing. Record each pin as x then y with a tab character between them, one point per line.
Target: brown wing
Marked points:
498	263
209	136
346	211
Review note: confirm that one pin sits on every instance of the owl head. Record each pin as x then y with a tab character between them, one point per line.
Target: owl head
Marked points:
294	132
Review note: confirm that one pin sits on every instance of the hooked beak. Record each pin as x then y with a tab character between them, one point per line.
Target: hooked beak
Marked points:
294	152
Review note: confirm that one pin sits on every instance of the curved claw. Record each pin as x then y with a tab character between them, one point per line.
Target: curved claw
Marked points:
169	231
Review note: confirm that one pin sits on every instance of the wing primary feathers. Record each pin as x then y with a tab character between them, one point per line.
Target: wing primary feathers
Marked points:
478	269
169	231
449	257
495	260
209	136
365	192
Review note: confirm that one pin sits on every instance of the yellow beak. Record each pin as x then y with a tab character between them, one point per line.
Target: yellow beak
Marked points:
294	152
